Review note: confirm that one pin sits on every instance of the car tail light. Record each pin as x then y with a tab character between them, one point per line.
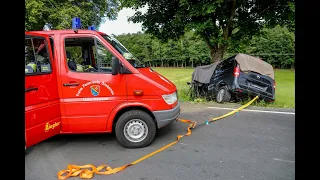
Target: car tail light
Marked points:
236	71
274	85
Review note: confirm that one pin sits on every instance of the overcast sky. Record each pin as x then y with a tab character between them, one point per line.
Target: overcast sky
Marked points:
121	25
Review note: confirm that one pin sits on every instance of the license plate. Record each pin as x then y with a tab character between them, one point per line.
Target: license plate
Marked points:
256	86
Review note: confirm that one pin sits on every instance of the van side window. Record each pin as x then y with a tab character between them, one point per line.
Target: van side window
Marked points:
87	55
37	59
104	56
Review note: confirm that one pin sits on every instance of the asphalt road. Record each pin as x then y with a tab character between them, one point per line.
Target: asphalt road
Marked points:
248	145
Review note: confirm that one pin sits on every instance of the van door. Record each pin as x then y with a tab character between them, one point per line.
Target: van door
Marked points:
90	91
42	108
223	73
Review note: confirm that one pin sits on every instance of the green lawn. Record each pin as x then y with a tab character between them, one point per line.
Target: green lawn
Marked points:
285	85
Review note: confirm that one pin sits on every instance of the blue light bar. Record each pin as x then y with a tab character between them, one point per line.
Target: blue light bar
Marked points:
76	23
92	28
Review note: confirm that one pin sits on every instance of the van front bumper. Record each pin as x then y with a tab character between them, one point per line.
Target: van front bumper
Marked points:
166	117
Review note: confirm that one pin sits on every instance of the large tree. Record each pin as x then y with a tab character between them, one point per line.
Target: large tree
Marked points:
218	22
59	13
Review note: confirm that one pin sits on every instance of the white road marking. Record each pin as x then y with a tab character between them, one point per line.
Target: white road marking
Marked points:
184	144
252	110
283	160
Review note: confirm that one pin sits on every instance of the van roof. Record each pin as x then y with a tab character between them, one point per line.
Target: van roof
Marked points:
251	63
67	31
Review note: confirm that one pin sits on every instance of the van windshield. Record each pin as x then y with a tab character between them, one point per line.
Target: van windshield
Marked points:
124	51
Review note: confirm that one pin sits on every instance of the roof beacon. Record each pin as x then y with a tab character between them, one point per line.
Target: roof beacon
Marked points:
92	28
47	27
76	24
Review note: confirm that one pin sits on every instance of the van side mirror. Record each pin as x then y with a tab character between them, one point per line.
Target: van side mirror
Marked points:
115	66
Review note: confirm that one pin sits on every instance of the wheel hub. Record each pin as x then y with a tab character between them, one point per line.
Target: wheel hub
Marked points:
135	130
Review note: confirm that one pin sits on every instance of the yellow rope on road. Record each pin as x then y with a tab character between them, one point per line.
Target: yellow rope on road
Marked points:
235	111
84	173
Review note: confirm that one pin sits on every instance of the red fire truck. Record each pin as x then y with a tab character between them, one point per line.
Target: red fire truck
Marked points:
84	81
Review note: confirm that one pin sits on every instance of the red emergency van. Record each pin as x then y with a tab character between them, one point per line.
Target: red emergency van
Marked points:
85	81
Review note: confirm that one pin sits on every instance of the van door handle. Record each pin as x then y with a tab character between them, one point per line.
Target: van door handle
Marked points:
31	89
71	84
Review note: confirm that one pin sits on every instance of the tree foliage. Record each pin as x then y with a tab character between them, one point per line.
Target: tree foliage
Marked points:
187	51
59	13
218	22
275	45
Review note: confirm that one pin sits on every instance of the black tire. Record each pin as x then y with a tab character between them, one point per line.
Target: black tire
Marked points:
223	95
227	97
135	119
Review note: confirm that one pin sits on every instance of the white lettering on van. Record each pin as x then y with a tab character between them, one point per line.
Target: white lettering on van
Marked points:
107	86
96	82
95	99
79	91
86	84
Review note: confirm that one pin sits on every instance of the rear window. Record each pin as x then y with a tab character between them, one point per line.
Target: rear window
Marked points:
228	63
37	59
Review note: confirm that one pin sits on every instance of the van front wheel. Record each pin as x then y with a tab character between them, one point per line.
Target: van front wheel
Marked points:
223	95
135	129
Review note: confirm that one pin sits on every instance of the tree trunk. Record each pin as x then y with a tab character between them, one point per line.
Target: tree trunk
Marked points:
217	54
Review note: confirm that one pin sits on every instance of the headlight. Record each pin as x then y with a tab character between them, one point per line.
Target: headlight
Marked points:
170	98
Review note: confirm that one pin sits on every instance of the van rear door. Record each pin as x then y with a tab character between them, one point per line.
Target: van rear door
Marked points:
42	107
257	83
261	83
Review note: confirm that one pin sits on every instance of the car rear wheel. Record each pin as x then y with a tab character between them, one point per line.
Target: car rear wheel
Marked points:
135	129
223	95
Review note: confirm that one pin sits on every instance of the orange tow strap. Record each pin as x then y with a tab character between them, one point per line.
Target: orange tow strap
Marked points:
75	170
85	173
